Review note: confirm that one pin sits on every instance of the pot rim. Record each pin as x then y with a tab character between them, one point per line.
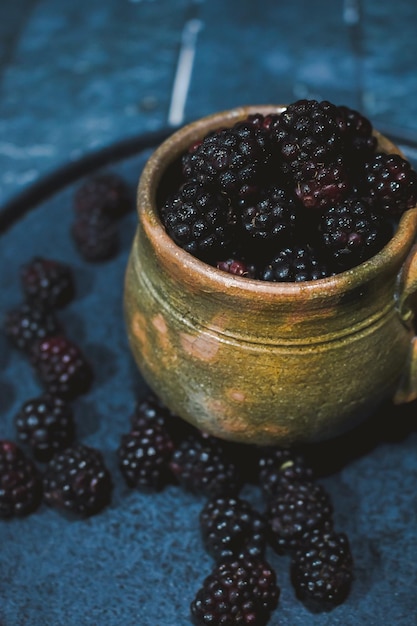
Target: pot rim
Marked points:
175	259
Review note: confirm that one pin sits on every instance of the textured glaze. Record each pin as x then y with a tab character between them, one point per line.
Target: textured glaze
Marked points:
269	363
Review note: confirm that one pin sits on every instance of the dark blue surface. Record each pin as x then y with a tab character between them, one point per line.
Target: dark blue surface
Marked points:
78	76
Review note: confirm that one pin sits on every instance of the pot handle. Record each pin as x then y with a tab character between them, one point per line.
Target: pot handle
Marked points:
407	306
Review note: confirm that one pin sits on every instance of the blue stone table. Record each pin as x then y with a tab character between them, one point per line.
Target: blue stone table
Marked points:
79	77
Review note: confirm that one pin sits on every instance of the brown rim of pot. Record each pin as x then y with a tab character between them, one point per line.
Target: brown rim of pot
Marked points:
391	256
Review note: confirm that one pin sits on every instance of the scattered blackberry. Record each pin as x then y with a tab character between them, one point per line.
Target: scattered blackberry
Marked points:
272	217
358	139
95	235
276	466
297	507
29	323
47	282
106	192
352	232
202	465
391	183
322	570
308	131
296	264
321	186
199	220
229	526
77	481
150	410
231	159
239	592
144	456
46	425
61	367
20	484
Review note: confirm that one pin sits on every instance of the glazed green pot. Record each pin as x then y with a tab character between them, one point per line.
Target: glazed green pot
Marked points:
259	362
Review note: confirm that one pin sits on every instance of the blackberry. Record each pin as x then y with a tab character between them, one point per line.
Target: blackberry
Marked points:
150	411
298	506
308	130
276	466
20	483
61	366
202	465
272	217
106	192
47	282
199	220
391	183
322	570
358	139
237	268
238	592
29	323
296	264
95	235
46	425
320	186
77	481
352	232
144	456
231	159
229	526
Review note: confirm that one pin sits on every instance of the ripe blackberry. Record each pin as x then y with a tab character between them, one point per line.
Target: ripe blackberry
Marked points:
239	591
237	268
391	183
230	525
298	506
150	410
358	139
199	220
352	232
29	323
77	481
106	192
202	465
322	570
308	130
144	456
61	367
320	186
47	282
46	425
276	466
20	484
231	159
95	235
296	264
272	217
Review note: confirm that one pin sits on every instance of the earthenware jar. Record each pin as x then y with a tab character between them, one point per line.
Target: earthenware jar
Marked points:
259	362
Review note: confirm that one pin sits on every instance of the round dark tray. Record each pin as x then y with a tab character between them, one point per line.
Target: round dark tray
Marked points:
141	560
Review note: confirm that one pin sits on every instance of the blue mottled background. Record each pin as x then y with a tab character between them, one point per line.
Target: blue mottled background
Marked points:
78	76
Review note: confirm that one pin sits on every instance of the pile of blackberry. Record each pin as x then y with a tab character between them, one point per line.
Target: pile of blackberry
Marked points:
292	197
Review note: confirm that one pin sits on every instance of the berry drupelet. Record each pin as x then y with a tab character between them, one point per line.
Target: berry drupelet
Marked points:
322	569
199	220
391	183
295	508
144	456
61	366
20	483
27	324
77	481
45	425
202	465
232	160
241	591
47	282
106	192
230	525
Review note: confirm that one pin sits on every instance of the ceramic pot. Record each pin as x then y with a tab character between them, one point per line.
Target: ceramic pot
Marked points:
259	362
